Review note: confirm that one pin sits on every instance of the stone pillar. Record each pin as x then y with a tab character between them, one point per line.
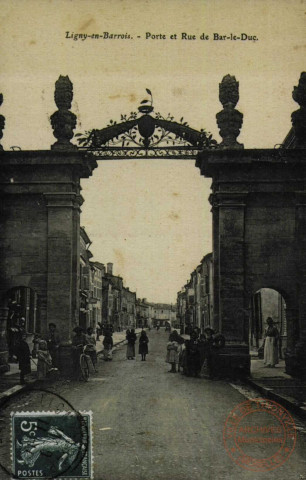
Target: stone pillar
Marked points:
230	309
229	266
63	266
296	350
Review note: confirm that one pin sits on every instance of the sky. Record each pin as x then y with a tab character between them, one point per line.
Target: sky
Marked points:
151	218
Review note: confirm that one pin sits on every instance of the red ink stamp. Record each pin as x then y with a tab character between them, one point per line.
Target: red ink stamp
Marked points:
259	435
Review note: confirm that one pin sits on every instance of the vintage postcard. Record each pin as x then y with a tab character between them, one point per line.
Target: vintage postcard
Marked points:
152	239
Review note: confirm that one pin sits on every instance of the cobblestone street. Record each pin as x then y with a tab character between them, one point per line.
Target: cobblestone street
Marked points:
150	424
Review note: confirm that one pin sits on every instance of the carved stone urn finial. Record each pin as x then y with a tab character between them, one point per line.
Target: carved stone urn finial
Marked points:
298	117
63	121
2	121
229	120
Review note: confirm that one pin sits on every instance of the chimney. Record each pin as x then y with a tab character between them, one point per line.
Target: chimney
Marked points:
110	268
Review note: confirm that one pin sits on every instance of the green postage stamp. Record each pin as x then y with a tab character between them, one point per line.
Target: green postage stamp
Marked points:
52	445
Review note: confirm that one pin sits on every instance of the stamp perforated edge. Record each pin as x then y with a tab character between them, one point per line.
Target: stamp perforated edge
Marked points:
58	413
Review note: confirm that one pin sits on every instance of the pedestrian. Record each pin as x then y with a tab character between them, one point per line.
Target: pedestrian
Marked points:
12	339
202	349
108	346
143	345
98	331
44	362
53	342
193	356
131	339
172	356
36	339
24	358
212	343
21	331
174	336
91	348
197	332
78	344
271	344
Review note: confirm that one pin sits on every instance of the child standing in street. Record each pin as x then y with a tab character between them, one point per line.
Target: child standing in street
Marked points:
44	362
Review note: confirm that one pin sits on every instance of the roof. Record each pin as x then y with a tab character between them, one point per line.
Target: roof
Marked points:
85	236
99	265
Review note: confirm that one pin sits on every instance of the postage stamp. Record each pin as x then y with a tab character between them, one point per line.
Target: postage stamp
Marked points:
51	445
259	435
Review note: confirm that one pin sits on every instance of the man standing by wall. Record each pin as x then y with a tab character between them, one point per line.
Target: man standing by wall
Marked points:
53	342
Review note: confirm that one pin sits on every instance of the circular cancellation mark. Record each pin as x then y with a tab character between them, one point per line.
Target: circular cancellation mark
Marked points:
259	435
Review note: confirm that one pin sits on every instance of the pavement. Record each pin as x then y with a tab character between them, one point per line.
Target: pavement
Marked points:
275	384
10	381
272	383
149	424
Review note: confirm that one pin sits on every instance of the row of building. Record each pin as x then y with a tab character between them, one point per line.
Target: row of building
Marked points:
105	299
195	306
195	300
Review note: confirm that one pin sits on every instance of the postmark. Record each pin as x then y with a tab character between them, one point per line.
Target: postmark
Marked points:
51	445
259	435
37	400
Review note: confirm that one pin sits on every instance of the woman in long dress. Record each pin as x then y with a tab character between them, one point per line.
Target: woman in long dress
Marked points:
271	344
143	345
108	346
131	339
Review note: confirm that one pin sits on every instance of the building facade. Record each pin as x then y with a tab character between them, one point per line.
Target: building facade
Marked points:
95	300
195	301
163	313
128	304
85	278
142	313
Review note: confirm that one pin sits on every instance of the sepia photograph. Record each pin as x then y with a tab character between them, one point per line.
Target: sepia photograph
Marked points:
153	239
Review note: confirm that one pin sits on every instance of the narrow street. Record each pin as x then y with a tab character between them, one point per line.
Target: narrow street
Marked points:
149	424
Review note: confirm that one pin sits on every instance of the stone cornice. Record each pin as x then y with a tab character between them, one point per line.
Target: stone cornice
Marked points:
210	161
85	164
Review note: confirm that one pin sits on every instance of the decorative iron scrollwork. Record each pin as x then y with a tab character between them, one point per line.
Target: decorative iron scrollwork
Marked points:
111	153
152	135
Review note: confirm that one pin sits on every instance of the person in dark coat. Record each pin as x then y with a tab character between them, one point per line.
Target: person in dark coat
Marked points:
108	346
202	348
53	342
143	345
131	339
209	351
193	356
24	358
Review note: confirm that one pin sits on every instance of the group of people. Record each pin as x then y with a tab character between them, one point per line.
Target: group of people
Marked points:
45	350
192	355
143	349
